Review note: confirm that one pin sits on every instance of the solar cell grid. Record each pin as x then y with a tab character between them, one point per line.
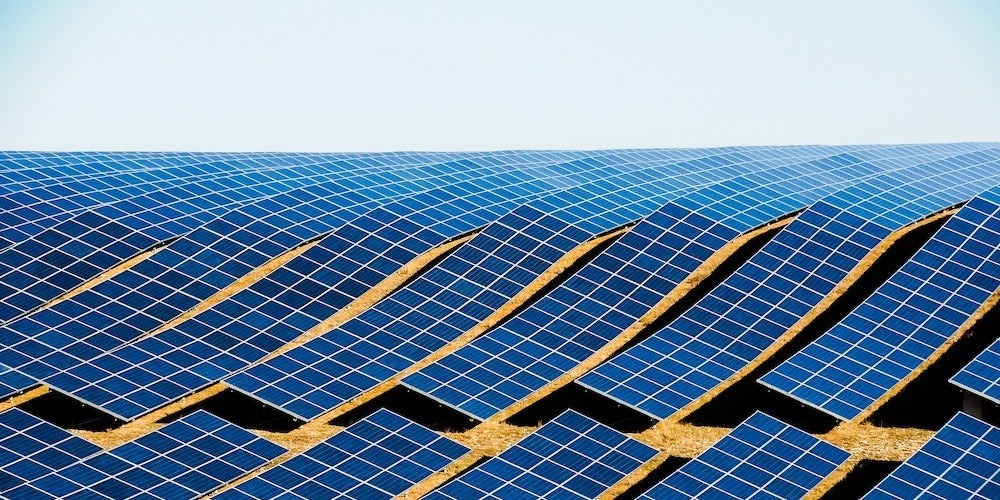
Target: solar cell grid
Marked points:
856	363
761	458
749	310
613	291
960	461
380	456
187	458
31	447
571	456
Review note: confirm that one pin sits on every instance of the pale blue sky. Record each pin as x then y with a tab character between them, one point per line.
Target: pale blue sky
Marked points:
386	75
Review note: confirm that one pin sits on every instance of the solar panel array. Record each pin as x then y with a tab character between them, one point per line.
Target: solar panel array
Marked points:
351	365
118	344
763	457
191	269
611	293
982	374
962	460
380	456
571	456
750	310
187	458
906	320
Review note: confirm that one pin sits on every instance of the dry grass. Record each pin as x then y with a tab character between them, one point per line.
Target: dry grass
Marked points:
878	443
863	265
959	333
694	279
21	398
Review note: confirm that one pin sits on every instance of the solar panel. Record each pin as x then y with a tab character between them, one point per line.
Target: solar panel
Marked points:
187	458
31	447
962	460
982	374
914	313
191	269
571	456
380	456
763	457
282	306
613	291
729	328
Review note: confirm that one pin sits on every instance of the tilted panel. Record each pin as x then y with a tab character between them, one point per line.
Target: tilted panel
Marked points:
962	460
31	448
434	309
907	319
613	291
187	458
571	456
729	328
378	457
763	457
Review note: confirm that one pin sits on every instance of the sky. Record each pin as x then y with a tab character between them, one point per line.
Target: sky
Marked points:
374	75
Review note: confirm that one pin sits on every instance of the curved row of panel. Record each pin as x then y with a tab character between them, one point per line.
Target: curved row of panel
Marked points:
611	293
729	330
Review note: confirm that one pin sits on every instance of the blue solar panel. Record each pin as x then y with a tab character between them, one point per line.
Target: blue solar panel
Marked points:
763	457
728	329
13	382
913	314
612	292
962	460
572	456
31	447
380	456
187	458
58	259
982	374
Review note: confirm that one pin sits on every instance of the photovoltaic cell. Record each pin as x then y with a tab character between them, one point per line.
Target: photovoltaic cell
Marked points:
962	460
909	317
31	448
613	291
13	382
379	457
571	456
731	326
187	458
763	457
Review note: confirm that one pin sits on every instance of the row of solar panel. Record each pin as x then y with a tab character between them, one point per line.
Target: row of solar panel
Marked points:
115	384
384	455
